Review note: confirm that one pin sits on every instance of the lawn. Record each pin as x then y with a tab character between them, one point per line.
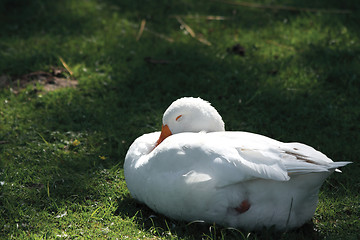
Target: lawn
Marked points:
81	80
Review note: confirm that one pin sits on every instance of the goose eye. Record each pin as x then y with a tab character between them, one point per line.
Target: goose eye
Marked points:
178	117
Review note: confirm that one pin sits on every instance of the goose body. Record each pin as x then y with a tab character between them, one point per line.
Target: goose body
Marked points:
198	171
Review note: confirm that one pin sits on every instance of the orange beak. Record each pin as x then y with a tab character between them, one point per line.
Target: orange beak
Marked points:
165	132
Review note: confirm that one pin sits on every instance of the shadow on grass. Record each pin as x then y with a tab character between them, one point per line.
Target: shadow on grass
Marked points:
162	226
118	111
27	19
123	110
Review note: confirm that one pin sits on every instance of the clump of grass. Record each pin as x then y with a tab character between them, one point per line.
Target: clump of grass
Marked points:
61	152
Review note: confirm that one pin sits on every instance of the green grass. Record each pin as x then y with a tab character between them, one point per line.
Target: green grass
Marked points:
61	152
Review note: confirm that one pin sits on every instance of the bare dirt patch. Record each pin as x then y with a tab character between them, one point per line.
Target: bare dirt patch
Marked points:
55	78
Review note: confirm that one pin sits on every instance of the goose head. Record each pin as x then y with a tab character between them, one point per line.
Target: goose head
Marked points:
190	114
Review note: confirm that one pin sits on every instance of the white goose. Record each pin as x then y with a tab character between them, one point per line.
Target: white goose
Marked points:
198	171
